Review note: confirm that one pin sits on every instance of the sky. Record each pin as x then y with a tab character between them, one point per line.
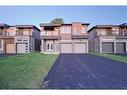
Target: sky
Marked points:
95	15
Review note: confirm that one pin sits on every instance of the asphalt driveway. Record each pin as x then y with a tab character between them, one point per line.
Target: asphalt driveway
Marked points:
86	71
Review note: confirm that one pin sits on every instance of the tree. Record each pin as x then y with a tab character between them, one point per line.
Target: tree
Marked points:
57	21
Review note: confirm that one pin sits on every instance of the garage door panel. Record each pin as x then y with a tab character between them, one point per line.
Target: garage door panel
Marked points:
107	47
21	48
10	48
80	48
66	48
120	47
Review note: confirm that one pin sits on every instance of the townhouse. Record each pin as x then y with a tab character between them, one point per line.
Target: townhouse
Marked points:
64	38
108	38
19	38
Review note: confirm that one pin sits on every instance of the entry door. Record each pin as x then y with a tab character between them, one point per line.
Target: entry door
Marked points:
49	46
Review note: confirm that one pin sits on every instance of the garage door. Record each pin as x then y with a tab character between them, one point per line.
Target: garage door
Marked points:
120	47
80	48
66	48
107	47
21	48
10	48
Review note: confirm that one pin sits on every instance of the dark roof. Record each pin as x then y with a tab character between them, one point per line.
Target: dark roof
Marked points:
4	25
81	23
27	26
124	24
102	26
50	24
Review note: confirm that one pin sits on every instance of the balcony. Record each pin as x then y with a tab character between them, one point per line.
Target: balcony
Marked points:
113	33
49	35
23	33
79	36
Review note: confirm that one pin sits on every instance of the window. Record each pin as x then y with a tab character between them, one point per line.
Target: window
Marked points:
1	44
115	33
125	33
84	29
1	33
65	29
103	33
51	47
48	46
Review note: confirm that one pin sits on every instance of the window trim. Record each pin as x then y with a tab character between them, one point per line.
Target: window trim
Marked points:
1	45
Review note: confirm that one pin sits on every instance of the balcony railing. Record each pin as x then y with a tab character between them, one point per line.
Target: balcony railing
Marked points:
22	33
49	33
112	34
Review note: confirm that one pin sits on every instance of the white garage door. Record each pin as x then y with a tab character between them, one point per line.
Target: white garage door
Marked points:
80	48
21	48
66	48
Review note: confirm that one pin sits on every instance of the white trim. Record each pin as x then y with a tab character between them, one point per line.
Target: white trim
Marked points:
1	45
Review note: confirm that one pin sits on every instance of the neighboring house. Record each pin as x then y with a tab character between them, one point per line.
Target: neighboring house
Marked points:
27	38
108	38
19	38
6	39
64	38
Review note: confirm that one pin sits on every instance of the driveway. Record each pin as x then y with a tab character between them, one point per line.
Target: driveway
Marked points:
86	71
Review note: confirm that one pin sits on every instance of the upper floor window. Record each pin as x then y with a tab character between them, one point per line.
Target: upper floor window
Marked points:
102	33
65	29
84	29
1	33
115	33
125	33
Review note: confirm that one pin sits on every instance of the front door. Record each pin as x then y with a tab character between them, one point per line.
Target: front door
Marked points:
49	46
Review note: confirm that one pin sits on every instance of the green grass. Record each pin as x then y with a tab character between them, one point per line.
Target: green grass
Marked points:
113	57
25	71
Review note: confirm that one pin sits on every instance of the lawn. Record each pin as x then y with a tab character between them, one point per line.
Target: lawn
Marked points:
25	71
113	57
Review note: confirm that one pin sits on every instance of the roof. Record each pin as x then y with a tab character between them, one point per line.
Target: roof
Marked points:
4	25
50	24
124	24
102	26
27	26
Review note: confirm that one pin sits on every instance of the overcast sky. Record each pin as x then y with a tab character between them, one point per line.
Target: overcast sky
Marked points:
41	14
